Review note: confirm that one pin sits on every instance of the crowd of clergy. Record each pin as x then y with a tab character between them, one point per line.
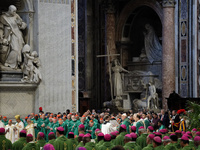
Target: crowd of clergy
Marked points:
99	131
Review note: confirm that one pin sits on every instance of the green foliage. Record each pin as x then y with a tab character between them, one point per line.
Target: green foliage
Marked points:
194	115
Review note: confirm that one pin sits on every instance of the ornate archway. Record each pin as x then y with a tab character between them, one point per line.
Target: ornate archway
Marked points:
130	7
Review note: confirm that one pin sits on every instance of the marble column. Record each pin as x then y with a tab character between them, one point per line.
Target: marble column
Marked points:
168	43
110	28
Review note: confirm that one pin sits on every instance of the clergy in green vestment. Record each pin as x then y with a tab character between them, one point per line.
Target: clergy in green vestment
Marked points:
157	143
36	122
49	125
167	143
127	139
149	141
61	142
51	138
81	130
126	122
80	141
21	142
62	124
91	129
107	145
185	143
5	144
145	120
113	137
100	139
43	124
139	123
141	140
72	143
30	143
5	120
132	144
81	122
54	126
40	141
72	124
120	138
160	125
174	141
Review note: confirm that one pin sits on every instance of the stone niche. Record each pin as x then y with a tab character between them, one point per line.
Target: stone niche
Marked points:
49	33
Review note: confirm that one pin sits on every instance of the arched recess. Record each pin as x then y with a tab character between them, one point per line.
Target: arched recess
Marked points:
130	7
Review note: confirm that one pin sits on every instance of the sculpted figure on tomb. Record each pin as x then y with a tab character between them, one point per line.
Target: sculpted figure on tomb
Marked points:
152	96
31	65
152	45
12	37
117	79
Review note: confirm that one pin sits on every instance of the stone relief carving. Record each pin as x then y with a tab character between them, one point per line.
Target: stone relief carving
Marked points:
117	79
12	37
15	54
31	66
153	47
153	96
168	3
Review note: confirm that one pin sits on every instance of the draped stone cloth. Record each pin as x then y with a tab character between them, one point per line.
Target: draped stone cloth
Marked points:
13	26
153	47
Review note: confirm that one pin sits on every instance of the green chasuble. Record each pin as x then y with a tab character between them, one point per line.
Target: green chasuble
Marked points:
60	143
71	144
146	122
132	145
106	146
5	122
90	146
139	124
141	140
120	138
127	123
51	141
188	148
80	145
159	148
37	129
170	147
19	144
177	145
198	147
5	144
25	124
162	127
54	127
72	125
30	146
40	144
114	141
99	143
45	122
50	125
93	128
62	125
148	147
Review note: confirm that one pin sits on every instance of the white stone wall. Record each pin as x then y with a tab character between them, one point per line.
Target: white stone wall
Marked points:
53	38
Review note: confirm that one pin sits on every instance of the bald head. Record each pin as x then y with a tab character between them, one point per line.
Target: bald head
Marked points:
12	10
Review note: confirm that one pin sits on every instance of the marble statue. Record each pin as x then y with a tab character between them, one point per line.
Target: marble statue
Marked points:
152	96
31	65
117	79
152	45
12	37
